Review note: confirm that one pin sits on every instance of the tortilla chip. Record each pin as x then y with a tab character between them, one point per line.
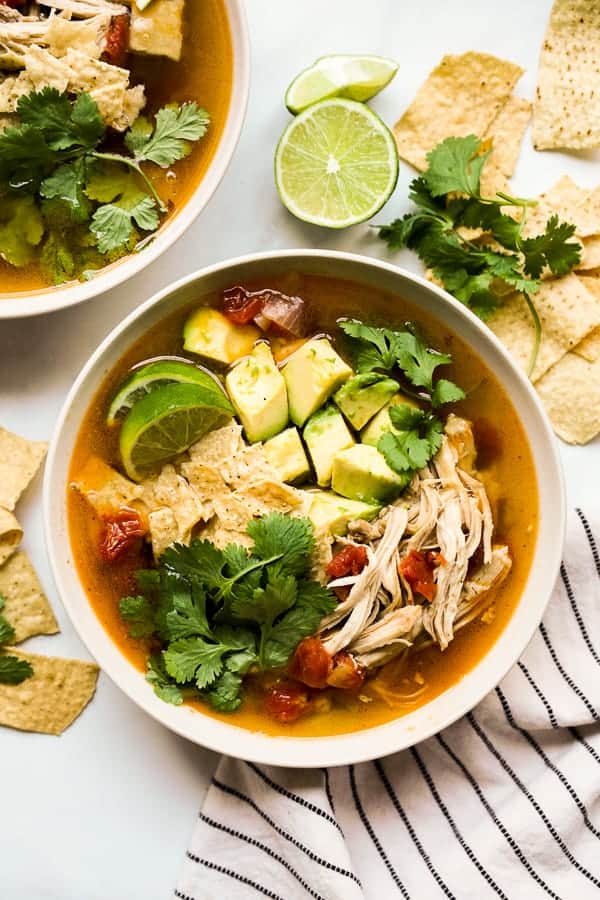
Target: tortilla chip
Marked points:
321	555
590	256
172	490
10	535
163	528
568	312
105	488
566	112
19	461
506	132
233	513
461	96
49	701
217	534
570	203
218	445
247	467
265	497
589	347
570	392
26	606
207	481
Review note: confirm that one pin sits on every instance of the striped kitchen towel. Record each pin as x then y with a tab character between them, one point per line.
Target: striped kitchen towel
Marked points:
504	803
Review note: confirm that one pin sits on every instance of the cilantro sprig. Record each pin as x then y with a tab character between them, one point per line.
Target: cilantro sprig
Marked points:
57	177
217	613
448	200
12	669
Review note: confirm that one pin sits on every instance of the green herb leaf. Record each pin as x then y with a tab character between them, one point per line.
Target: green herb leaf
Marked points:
14	670
193	658
224	695
21	229
164	686
139	615
66	183
454	166
278	534
446	392
552	249
374	348
188	615
418	361
62	123
417	439
312	604
175	128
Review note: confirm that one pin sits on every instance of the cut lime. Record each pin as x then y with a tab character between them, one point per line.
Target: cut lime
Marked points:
336	164
352	76
153	375
166	422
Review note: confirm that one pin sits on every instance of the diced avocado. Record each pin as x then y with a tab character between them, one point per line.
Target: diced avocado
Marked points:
312	374
381	423
332	512
363	395
209	333
325	434
361	473
257	390
286	454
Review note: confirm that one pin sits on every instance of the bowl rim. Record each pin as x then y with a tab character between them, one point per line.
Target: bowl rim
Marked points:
352	747
16	305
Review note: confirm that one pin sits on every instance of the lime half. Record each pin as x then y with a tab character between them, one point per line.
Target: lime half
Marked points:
341	75
336	164
166	422
151	376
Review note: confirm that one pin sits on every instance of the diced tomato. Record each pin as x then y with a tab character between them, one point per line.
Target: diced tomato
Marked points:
241	306
14	4
120	533
346	672
435	558
311	663
351	560
287	701
117	40
418	571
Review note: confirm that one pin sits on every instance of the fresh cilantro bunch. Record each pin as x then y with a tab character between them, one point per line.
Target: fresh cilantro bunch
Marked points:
478	272
62	193
217	613
12	669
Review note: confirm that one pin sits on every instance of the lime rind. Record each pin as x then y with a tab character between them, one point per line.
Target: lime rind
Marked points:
348	75
336	164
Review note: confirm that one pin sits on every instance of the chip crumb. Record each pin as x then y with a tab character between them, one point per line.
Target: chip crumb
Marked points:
26	606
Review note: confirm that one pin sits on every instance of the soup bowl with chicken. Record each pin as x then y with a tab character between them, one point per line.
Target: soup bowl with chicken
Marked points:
118	119
303	509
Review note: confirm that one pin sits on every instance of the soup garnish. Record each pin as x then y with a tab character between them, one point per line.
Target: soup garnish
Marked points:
333	526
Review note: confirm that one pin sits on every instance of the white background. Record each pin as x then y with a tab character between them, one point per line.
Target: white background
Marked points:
104	812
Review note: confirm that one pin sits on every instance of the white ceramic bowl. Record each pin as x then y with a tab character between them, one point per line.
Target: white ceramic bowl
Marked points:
383	739
19	305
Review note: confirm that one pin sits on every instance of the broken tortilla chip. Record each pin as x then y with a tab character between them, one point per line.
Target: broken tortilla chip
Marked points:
163	528
104	488
567	311
566	112
220	536
506	132
52	698
10	535
589	347
19	461
171	490
570	392
264	497
590	257
218	445
26	606
571	203
462	96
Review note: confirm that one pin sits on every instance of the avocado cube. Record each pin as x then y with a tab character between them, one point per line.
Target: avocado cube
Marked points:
257	390
312	373
286	454
209	333
329	511
381	423
361	473
325	434
362	396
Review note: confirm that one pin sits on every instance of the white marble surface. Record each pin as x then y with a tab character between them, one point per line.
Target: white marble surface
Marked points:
105	810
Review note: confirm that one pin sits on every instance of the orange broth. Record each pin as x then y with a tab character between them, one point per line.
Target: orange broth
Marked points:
505	465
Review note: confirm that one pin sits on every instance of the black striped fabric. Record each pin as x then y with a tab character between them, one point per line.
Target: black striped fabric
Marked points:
504	803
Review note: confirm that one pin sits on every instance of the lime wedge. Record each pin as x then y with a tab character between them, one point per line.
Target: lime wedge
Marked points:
166	422
151	376
352	76
336	164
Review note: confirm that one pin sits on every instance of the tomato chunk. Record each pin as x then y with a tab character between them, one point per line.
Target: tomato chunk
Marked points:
351	560
311	663
287	701
418	571
120	533
117	40
241	306
346	672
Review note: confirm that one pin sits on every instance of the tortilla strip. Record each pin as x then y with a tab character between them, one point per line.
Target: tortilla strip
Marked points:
506	132
26	608
10	535
19	461
105	488
52	698
566	111
570	392
461	96
567	311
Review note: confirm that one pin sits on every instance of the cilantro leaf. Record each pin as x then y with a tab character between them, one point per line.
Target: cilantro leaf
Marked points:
63	124
446	392
312	604
66	183
551	248
224	694
201	562
193	658
112	224
164	686
455	165
188	615
417	439
139	615
417	360
170	140
56	258
7	632
21	228
278	595
14	670
278	535
374	348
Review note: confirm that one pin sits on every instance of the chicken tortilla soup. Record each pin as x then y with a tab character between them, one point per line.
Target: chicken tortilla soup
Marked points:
302	506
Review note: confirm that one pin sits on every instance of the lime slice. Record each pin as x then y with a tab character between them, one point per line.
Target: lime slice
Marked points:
352	76
151	376
166	422
336	164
